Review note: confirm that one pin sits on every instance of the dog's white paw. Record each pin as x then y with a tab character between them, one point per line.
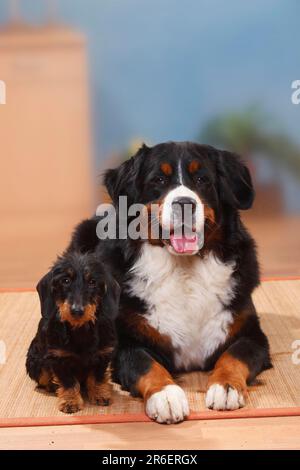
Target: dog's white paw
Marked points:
170	405
221	398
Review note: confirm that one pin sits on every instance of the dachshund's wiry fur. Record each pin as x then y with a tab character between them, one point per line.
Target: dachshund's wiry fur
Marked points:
75	338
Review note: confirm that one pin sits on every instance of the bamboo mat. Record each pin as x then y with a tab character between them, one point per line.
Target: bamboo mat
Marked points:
276	393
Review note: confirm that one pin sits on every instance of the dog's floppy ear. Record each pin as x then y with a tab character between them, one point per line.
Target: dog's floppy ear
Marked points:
121	181
235	180
110	301
44	289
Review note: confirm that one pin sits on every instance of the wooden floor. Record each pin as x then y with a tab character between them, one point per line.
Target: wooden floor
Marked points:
241	434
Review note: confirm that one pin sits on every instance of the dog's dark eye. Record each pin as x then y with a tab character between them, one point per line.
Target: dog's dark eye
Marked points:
202	179
66	281
161	180
92	282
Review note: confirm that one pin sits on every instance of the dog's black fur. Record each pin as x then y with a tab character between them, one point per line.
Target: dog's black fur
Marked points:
76	334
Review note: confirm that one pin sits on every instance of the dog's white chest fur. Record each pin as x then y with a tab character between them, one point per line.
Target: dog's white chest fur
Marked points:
186	298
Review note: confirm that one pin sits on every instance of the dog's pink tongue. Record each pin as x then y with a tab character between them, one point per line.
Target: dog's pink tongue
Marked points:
184	244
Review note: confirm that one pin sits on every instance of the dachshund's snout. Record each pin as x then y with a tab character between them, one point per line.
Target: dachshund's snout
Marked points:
77	311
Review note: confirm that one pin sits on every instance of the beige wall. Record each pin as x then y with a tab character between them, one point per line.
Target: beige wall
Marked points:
45	152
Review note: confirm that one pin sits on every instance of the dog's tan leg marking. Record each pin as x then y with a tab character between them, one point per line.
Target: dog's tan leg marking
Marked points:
99	393
227	385
165	402
69	399
154	380
44	379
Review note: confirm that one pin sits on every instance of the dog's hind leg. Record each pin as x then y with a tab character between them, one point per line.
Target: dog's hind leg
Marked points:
35	362
37	369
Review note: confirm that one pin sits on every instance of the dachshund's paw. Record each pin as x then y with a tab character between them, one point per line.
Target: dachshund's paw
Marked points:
71	406
70	400
99	393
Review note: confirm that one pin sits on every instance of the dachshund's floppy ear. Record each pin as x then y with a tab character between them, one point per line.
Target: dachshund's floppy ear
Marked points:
110	301
44	289
235	181
121	181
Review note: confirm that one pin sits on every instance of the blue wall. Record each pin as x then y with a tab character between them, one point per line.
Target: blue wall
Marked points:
161	68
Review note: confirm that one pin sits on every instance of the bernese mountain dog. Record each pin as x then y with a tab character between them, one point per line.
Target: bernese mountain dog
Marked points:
186	300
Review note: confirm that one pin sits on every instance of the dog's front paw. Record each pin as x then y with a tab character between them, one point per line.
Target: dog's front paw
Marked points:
219	397
99	393
168	406
71	406
69	400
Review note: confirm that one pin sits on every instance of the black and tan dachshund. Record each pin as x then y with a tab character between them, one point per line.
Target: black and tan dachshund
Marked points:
75	339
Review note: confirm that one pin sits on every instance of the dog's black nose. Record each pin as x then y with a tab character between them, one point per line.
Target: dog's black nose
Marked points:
180	202
77	312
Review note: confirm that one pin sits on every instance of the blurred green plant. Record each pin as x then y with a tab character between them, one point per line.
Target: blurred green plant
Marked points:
248	132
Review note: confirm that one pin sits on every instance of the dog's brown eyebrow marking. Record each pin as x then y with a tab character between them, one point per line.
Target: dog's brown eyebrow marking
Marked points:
166	168
194	165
